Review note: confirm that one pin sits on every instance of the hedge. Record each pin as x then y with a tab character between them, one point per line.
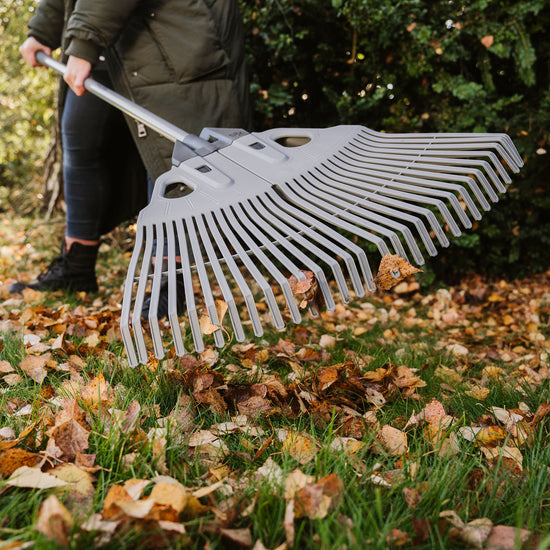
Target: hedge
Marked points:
407	66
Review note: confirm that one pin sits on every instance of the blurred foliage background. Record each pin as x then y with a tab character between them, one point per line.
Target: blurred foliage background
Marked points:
407	66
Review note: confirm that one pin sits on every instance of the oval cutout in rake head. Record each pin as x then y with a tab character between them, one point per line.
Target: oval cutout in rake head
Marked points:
293	141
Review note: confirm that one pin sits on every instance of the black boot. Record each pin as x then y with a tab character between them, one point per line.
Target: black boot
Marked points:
73	270
162	309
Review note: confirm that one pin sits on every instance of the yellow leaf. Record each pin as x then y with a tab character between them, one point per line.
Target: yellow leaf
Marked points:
479	393
301	448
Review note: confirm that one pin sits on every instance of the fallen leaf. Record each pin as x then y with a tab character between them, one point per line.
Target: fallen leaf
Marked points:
12	379
475	532
288	523
71	438
295	481
241	537
34	366
12	459
5	366
54	521
170	494
397	537
327	341
33	478
80	495
392	440
503	537
392	270
271	472
478	392
300	447
508	452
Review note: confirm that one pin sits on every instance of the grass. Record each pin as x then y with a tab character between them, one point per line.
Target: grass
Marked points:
372	507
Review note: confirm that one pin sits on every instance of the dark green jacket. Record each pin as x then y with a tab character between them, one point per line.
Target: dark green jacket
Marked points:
181	59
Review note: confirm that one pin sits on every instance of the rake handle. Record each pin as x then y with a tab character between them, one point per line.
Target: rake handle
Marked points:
163	127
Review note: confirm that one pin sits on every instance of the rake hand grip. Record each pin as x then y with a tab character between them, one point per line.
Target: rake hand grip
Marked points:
163	127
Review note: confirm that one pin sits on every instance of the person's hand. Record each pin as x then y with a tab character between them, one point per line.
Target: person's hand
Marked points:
78	70
29	48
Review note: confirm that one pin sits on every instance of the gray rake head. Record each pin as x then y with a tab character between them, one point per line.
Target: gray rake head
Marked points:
268	205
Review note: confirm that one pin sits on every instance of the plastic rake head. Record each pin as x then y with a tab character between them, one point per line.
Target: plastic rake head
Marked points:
275	204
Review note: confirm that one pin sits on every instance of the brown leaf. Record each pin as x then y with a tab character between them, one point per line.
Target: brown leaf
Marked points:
327	377
34	366
97	392
12	459
206	324
5	366
213	399
393	441
71	438
12	379
541	412
475	532
397	537
241	537
54	521
311	502
392	270
503	537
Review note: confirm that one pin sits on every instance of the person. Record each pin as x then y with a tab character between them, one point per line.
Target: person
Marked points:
183	60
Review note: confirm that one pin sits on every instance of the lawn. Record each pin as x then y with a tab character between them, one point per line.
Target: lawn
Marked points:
415	418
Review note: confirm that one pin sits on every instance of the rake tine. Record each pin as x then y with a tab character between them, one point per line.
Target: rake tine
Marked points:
155	293
253	270
345	207
268	264
435	163
333	219
458	148
354	210
172	271
379	188
204	281
375	199
316	226
306	245
269	209
413	187
450	138
190	303
417	170
127	300
239	279
422	154
140	294
222	282
259	228
422	182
